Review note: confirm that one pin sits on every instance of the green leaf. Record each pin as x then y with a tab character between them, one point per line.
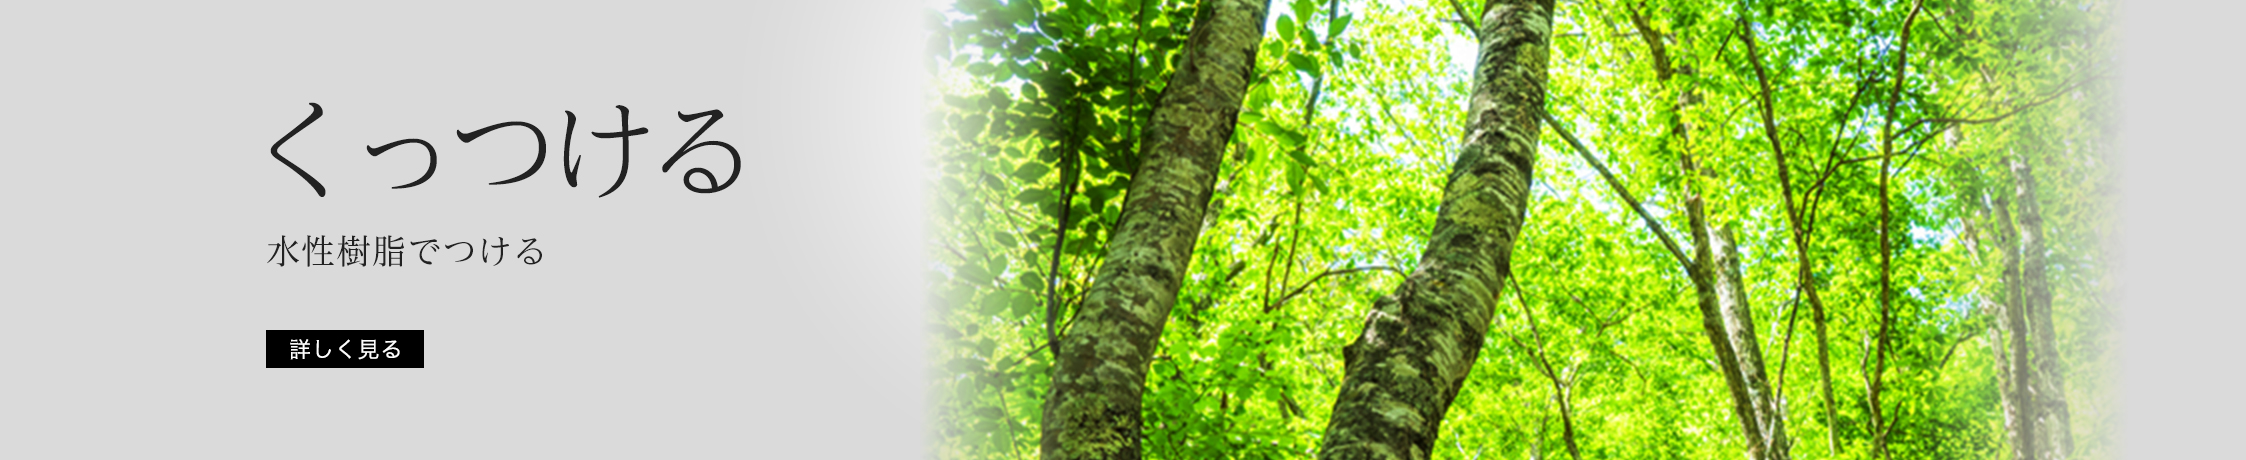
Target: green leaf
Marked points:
1032	171
1034	196
993	304
1097	195
1290	139
1287	137
1079	211
1301	157
973	273
1258	95
1271	128
1304	63
1334	29
998	265
1081	246
1022	305
1296	175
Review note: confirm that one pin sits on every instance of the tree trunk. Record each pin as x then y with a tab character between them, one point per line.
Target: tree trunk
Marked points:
1726	316
2009	408
1092	411
1728	320
2049	381
1418	344
1801	221
1808	283
2019	402
1767	435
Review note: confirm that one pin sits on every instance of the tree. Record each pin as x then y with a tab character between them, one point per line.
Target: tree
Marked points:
1093	412
1738	185
1419	343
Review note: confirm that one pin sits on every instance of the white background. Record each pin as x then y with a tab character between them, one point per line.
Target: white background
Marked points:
778	318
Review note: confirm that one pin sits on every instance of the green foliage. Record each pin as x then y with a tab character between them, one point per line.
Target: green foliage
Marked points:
1320	208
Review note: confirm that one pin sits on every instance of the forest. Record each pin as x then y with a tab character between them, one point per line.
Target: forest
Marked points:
1520	229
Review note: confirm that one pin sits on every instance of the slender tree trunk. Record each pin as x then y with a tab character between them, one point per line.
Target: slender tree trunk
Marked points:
1408	364
1092	411
1801	221
2019	402
1728	321
1769	430
1886	234
1726	316
2009	408
2049	383
1824	361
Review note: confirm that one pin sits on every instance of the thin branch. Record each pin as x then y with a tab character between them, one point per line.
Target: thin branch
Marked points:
1886	230
1294	242
1944	123
1769	123
1661	68
1616	184
1804	278
955	252
1464	20
1309	114
1815	195
1060	246
1935	374
1786	345
1298	290
1559	387
2015	110
1018	221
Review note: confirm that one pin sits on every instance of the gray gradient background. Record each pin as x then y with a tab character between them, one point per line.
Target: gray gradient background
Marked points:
776	319
2181	261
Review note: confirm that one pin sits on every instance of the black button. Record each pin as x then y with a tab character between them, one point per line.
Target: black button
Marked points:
343	349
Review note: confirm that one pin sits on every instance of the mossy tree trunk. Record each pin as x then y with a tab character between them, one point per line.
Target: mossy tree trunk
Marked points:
1092	410
1418	344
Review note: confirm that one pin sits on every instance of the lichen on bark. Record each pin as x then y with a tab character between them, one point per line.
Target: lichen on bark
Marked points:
1418	344
1092	410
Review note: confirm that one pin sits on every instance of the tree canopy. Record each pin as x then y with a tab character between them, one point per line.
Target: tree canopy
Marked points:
1897	179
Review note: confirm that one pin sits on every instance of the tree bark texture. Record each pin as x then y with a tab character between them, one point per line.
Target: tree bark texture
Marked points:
1728	320
1726	315
1418	343
2049	376
1766	436
1092	410
2019	403
2005	395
